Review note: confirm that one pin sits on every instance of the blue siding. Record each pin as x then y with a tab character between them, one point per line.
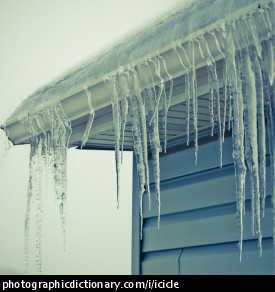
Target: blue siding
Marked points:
223	259
198	231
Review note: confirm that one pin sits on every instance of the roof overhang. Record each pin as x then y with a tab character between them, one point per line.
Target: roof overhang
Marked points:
74	99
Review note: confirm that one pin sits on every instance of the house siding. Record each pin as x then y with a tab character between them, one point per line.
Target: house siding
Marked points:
198	230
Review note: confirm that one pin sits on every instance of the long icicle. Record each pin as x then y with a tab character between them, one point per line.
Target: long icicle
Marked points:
47	156
117	126
122	79
252	122
137	139
61	137
214	95
260	126
142	117
155	145
237	132
153	128
191	50
270	121
187	85
168	101
238	155
222	48
248	157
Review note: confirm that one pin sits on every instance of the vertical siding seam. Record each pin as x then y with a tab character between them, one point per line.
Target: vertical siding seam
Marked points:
179	261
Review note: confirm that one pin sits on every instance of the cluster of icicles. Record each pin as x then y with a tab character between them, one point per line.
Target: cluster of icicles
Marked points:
48	171
139	91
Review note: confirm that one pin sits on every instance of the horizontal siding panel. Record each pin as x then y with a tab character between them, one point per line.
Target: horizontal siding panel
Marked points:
181	163
224	259
198	217
161	263
201	227
210	188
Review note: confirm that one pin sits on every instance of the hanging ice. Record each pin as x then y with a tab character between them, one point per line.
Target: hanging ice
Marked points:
143	127
153	131
194	96
155	144
50	132
138	148
117	128
167	101
125	93
6	146
187	83
90	120
237	131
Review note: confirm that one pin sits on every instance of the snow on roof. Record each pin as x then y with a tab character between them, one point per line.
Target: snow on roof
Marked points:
183	20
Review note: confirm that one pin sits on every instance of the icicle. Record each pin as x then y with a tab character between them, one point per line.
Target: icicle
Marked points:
168	101
237	131
155	145
138	148
238	154
90	121
64	133
222	49
252	128
270	122
156	64
117	128
211	69
253	34
215	83
187	85
148	86
34	193
269	60
225	98
7	146
50	133
217	43
214	96
199	46
124	106
260	126
37	173
27	223
193	94
142	118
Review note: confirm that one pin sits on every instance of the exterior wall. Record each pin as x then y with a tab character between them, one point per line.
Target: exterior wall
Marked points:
198	231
